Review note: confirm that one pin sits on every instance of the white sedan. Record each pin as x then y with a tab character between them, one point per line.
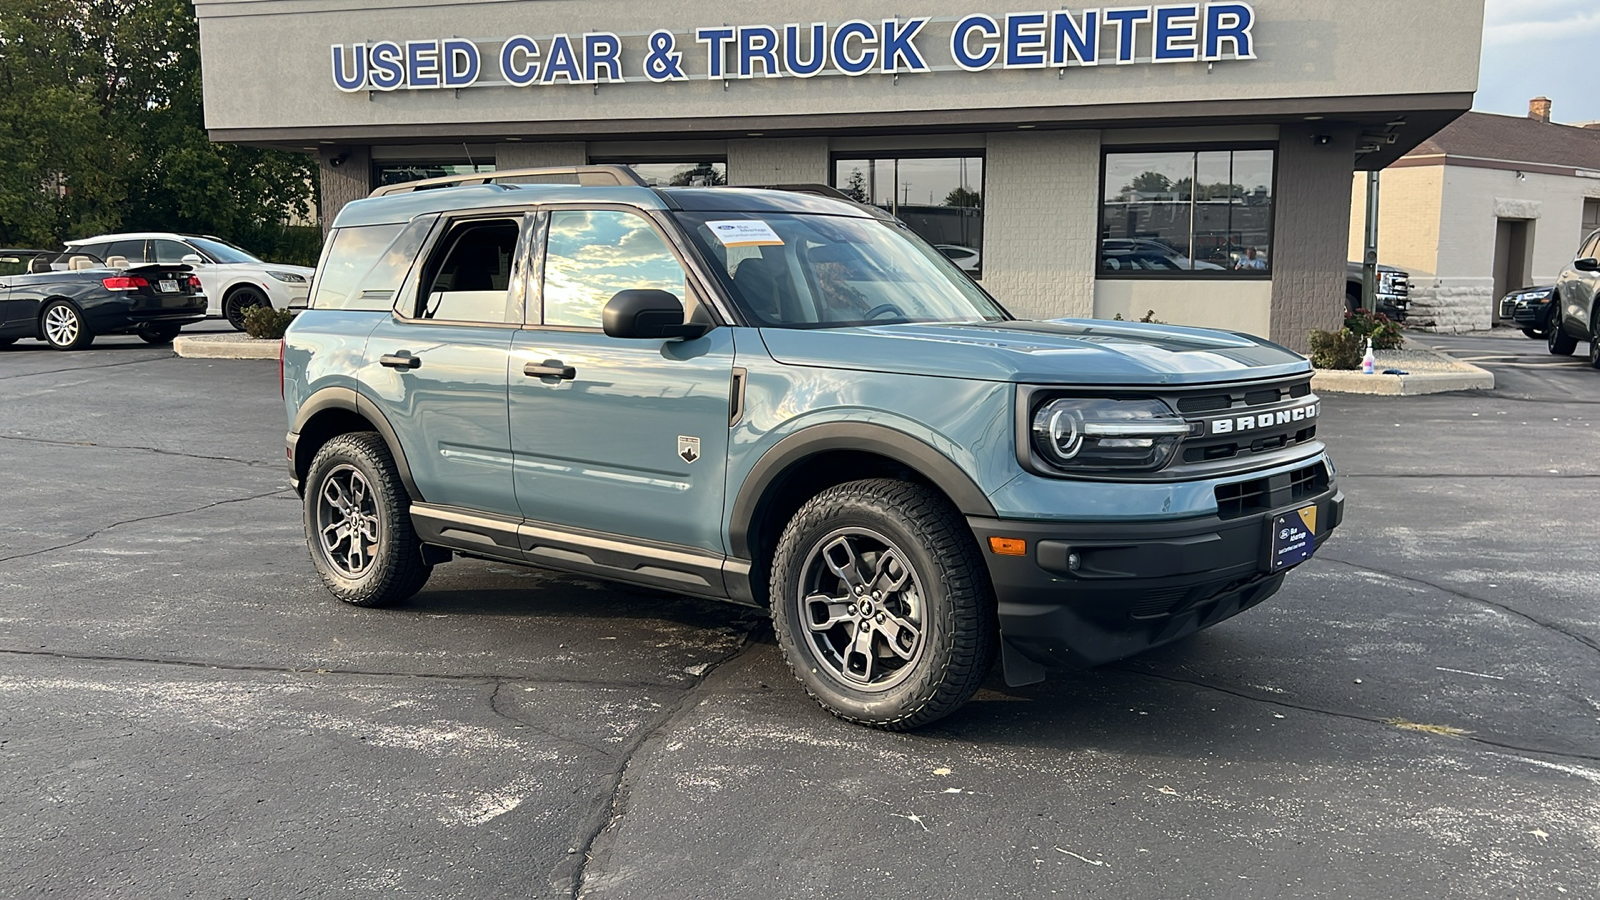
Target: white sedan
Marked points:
965	258
231	277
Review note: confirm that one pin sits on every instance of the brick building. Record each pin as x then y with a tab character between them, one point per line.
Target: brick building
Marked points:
1489	204
1191	159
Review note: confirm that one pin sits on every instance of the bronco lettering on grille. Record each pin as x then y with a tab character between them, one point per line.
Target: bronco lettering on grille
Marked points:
1235	424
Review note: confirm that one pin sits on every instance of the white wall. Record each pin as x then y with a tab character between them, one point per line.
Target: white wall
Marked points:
1230	305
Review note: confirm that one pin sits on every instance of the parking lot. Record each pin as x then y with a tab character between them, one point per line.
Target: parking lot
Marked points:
185	712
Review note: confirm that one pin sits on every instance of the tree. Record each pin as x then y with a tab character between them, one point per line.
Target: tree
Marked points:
856	186
1148	183
102	129
702	175
963	197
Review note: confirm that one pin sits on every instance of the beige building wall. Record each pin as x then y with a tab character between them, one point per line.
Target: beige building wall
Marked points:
790	161
1439	223
1229	305
1039	256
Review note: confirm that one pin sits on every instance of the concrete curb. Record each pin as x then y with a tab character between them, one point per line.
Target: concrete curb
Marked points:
1445	374
224	346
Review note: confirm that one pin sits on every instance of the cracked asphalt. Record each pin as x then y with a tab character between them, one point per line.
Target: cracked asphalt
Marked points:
184	712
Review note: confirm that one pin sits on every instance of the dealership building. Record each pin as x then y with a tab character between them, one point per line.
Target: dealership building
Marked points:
1194	159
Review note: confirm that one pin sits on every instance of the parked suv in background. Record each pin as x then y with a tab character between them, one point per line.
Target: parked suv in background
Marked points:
233	279
1393	294
1575	305
792	402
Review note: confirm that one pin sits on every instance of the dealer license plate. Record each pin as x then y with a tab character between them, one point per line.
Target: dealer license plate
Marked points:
1293	538
169	286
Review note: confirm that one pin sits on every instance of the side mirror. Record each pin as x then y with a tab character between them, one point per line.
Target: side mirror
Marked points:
1586	264
192	259
648	315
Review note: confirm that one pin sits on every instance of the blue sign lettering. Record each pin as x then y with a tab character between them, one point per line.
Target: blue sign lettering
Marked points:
792	63
1187	31
961	42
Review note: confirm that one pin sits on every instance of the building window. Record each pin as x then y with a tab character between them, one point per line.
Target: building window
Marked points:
675	173
938	197
1187	213
400	173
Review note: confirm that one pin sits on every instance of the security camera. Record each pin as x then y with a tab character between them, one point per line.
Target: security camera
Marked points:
338	161
1321	139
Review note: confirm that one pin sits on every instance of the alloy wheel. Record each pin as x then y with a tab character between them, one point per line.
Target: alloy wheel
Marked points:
347	521
61	325
863	608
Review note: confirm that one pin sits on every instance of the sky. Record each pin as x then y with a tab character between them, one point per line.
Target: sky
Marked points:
1541	47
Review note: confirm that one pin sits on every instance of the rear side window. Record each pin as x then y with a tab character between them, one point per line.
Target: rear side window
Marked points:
172	251
351	254
133	251
468	277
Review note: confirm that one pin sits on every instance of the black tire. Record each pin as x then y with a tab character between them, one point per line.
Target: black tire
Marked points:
241	299
1594	337
944	596
158	333
1352	301
1533	333
385	569
61	325
1556	338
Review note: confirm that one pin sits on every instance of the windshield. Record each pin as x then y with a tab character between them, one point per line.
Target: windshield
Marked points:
223	252
789	270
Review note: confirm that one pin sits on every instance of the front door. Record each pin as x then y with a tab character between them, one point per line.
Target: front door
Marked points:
437	367
625	437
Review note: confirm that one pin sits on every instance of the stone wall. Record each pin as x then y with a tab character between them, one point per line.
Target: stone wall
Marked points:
790	161
346	177
1311	228
1451	305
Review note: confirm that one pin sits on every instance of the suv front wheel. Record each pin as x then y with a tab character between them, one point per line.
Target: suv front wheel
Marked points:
357	526
883	605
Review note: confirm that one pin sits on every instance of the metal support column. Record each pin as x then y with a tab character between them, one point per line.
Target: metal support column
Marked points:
1369	256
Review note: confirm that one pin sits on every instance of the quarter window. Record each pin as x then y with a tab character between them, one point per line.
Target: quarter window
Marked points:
1190	213
468	279
349	255
591	255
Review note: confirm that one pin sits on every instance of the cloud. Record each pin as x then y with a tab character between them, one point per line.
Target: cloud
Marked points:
1539	47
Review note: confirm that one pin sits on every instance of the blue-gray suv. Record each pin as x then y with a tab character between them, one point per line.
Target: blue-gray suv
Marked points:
789	401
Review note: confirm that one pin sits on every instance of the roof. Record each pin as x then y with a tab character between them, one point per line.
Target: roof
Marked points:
399	208
136	236
1515	139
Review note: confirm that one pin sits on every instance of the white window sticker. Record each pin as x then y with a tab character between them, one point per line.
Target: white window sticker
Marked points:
745	233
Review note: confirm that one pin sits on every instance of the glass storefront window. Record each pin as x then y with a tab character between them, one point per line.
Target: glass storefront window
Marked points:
704	173
1205	213
940	198
400	173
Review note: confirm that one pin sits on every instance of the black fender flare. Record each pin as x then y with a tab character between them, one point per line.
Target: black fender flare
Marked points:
878	439
346	399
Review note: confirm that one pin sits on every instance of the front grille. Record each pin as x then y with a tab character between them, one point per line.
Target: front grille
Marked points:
1250	401
1258	495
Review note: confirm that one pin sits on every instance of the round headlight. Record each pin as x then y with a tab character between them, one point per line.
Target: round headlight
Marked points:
1107	435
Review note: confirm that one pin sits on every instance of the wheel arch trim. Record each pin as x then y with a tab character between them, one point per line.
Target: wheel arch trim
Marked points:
341	399
881	440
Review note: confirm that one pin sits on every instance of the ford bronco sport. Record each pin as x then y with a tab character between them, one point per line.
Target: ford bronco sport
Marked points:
789	401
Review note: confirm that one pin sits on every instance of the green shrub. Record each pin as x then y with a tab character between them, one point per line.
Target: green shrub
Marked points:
1148	319
1342	349
267	323
1385	333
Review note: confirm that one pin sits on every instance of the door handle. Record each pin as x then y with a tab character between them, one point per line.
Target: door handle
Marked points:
550	368
401	360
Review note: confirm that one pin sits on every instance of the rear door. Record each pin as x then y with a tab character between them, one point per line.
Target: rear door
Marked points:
624	437
1576	290
437	367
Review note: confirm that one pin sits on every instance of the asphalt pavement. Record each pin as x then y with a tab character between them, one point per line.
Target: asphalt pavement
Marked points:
185	712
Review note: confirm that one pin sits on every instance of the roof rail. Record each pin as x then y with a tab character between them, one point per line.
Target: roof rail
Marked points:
588	176
821	190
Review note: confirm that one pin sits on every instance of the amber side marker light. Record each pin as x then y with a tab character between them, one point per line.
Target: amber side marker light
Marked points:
1008	546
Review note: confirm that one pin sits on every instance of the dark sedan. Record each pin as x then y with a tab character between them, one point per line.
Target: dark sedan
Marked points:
1528	308
66	300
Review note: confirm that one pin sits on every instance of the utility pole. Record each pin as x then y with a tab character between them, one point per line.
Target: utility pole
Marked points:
1369	257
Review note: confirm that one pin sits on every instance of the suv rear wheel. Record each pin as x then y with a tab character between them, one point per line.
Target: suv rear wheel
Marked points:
357	526
882	604
1556	338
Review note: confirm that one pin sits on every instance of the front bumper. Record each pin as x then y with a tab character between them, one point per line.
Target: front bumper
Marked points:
1525	313
1137	585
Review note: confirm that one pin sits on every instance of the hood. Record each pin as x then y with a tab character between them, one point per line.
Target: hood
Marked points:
1061	351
